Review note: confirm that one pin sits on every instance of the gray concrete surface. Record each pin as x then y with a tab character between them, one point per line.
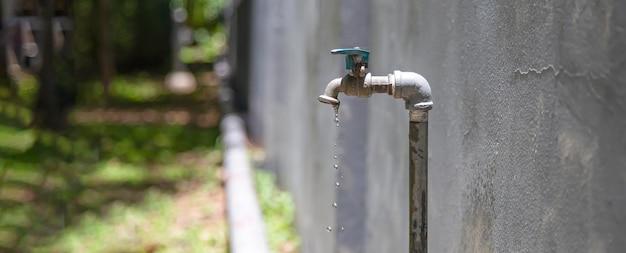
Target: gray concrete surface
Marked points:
527	135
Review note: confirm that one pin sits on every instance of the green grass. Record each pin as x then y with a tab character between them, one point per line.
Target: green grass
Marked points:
151	226
15	139
120	188
136	89
24	90
139	88
279	214
27	89
144	91
117	188
54	187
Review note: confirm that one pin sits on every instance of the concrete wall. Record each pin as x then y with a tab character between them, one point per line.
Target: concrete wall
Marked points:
527	135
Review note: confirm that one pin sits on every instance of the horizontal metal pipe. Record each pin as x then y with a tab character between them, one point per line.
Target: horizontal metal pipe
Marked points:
246	227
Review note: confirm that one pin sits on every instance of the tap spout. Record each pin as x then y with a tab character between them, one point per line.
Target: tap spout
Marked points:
331	92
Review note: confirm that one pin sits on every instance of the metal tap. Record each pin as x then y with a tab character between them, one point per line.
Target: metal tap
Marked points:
410	86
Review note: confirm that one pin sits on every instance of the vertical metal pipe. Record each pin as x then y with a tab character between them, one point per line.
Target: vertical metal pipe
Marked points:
418	181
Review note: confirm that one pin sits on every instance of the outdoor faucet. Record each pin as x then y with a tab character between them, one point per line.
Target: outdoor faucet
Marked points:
410	86
415	91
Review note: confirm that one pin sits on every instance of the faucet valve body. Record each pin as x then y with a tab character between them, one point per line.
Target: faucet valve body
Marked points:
380	84
367	85
410	86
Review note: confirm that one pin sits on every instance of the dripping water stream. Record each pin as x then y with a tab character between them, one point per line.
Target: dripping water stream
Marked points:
336	166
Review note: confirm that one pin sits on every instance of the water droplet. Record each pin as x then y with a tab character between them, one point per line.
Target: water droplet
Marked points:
336	166
337	124
335	204
337	184
329	228
342	228
335	157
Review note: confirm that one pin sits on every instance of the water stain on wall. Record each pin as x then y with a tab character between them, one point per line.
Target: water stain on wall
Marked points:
478	220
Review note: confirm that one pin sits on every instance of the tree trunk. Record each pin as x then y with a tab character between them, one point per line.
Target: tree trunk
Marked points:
8	11
105	50
57	89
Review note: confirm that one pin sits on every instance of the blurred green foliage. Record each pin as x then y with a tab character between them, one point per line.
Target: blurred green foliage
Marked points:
201	12
147	143
145	90
209	35
125	89
76	189
154	223
150	226
16	140
27	89
48	180
279	214
140	36
141	31
14	114
207	47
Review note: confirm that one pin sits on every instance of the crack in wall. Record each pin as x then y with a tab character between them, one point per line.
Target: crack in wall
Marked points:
560	70
537	71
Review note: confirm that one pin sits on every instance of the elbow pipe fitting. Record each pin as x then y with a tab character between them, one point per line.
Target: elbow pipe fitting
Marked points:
410	86
414	89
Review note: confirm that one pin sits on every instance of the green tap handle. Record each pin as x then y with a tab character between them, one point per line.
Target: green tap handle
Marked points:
354	56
